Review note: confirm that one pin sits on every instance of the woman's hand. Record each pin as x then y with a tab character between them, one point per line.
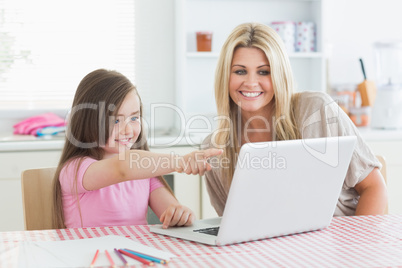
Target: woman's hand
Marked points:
177	215
196	162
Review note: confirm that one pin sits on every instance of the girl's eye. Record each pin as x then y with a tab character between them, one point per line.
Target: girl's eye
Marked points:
116	121
240	72
134	118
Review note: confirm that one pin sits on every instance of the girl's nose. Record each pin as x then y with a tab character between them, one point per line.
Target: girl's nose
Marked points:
126	128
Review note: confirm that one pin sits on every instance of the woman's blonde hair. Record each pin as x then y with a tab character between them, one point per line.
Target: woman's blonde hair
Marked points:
228	136
96	102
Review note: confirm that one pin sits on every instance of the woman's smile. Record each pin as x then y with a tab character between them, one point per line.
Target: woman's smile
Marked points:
251	94
250	85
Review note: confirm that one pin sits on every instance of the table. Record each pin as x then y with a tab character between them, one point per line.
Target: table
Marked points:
359	241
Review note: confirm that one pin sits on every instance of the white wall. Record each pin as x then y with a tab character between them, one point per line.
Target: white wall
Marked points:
353	27
155	57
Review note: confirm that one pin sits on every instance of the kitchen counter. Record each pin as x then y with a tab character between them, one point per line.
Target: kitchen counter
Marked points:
370	134
15	143
9	142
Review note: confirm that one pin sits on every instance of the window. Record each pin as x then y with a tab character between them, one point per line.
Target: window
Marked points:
48	46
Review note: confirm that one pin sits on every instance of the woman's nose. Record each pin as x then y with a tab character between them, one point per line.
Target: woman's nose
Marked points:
251	81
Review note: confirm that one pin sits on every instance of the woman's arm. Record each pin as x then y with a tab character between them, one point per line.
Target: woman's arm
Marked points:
373	194
169	210
139	164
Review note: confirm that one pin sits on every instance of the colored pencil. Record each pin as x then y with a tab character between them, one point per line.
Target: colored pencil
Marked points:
94	259
145	256
121	257
136	257
110	259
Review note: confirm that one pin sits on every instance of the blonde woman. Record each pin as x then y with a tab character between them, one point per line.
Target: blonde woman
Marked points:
255	98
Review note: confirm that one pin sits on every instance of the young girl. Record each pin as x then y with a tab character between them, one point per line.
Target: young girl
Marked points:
99	180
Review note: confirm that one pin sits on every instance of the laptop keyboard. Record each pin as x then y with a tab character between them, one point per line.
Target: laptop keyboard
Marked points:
210	231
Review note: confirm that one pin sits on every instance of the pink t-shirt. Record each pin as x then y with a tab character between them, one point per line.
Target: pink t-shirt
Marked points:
125	203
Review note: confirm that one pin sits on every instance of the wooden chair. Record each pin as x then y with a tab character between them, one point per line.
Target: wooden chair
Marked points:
37	198
383	171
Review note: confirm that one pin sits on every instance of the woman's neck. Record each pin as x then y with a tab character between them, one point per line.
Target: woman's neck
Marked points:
256	127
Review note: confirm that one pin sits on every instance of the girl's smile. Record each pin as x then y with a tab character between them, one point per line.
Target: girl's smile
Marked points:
123	141
126	126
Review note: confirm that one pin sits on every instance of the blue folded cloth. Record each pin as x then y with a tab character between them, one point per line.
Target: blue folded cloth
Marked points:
50	131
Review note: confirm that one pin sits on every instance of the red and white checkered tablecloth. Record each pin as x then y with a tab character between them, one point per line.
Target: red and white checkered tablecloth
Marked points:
364	241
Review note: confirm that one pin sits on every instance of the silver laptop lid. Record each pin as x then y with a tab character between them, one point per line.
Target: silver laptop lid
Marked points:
285	187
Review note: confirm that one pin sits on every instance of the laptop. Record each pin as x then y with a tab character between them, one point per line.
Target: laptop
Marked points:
278	188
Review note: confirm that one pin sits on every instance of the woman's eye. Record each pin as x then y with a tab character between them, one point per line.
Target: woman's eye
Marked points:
264	72
240	72
134	118
116	121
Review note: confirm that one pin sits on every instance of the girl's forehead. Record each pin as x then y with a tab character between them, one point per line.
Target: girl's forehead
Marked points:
131	104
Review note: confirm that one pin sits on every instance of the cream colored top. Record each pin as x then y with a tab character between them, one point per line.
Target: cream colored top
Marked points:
317	115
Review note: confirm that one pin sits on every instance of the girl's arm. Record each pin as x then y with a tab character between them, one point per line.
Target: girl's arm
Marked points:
169	210
373	194
139	164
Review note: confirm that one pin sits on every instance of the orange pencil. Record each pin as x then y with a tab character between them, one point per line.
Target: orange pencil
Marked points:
136	257
110	259
94	259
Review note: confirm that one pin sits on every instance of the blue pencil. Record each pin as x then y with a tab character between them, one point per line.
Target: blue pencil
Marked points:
147	257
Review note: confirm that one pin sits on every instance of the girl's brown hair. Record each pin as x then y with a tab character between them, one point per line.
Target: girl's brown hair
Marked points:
97	99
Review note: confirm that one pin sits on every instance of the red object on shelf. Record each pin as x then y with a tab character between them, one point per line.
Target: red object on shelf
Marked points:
204	41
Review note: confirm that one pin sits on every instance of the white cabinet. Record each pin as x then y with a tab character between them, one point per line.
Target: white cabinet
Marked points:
195	70
207	210
187	188
11	166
